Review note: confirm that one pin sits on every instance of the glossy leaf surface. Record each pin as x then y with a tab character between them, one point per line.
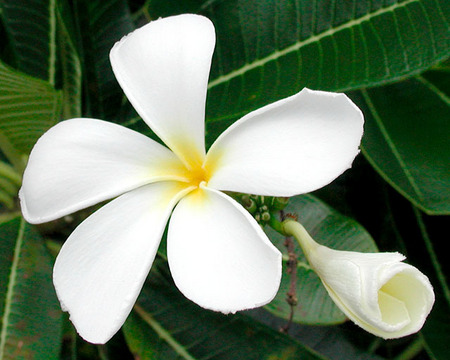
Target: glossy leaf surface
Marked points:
407	138
31	30
267	50
29	311
103	23
71	69
28	107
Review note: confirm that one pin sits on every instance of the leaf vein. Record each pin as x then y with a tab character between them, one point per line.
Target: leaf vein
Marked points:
10	291
296	46
391	144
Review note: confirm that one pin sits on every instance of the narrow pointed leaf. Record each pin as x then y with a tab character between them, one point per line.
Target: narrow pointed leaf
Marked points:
29	311
328	228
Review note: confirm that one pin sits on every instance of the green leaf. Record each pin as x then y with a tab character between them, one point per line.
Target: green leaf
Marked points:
28	107
102	23
419	237
165	325
268	50
5	198
331	229
70	63
436	331
10	182
406	139
154	9
30	26
29	311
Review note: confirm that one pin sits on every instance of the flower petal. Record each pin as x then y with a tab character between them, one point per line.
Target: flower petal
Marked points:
163	69
102	266
81	162
377	291
219	256
293	146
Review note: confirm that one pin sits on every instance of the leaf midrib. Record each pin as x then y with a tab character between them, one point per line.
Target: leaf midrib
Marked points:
298	45
434	89
10	290
163	334
392	146
52	42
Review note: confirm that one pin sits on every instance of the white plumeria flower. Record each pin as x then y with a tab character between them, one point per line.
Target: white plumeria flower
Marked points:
377	291
218	255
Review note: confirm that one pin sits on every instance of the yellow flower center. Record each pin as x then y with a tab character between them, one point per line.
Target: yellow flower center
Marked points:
195	171
197	176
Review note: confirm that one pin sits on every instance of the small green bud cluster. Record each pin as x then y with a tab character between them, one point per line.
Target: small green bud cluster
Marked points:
261	207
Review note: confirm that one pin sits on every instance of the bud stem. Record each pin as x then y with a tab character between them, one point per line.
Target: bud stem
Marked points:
295	229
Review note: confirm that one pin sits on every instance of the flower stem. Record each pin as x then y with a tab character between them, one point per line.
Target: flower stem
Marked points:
291	296
295	229
276	225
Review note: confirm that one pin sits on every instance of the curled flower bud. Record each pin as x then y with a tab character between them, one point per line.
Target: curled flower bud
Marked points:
377	291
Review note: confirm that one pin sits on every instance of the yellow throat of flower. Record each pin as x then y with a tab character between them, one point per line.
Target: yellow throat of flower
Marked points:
196	171
198	175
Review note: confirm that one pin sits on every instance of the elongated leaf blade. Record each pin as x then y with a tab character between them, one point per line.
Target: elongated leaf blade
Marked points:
267	50
103	23
70	63
436	331
165	325
421	238
406	138
28	107
29	311
161	8
30	26
331	229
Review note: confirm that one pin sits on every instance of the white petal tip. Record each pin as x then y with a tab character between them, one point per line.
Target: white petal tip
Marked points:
320	131
25	212
219	256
